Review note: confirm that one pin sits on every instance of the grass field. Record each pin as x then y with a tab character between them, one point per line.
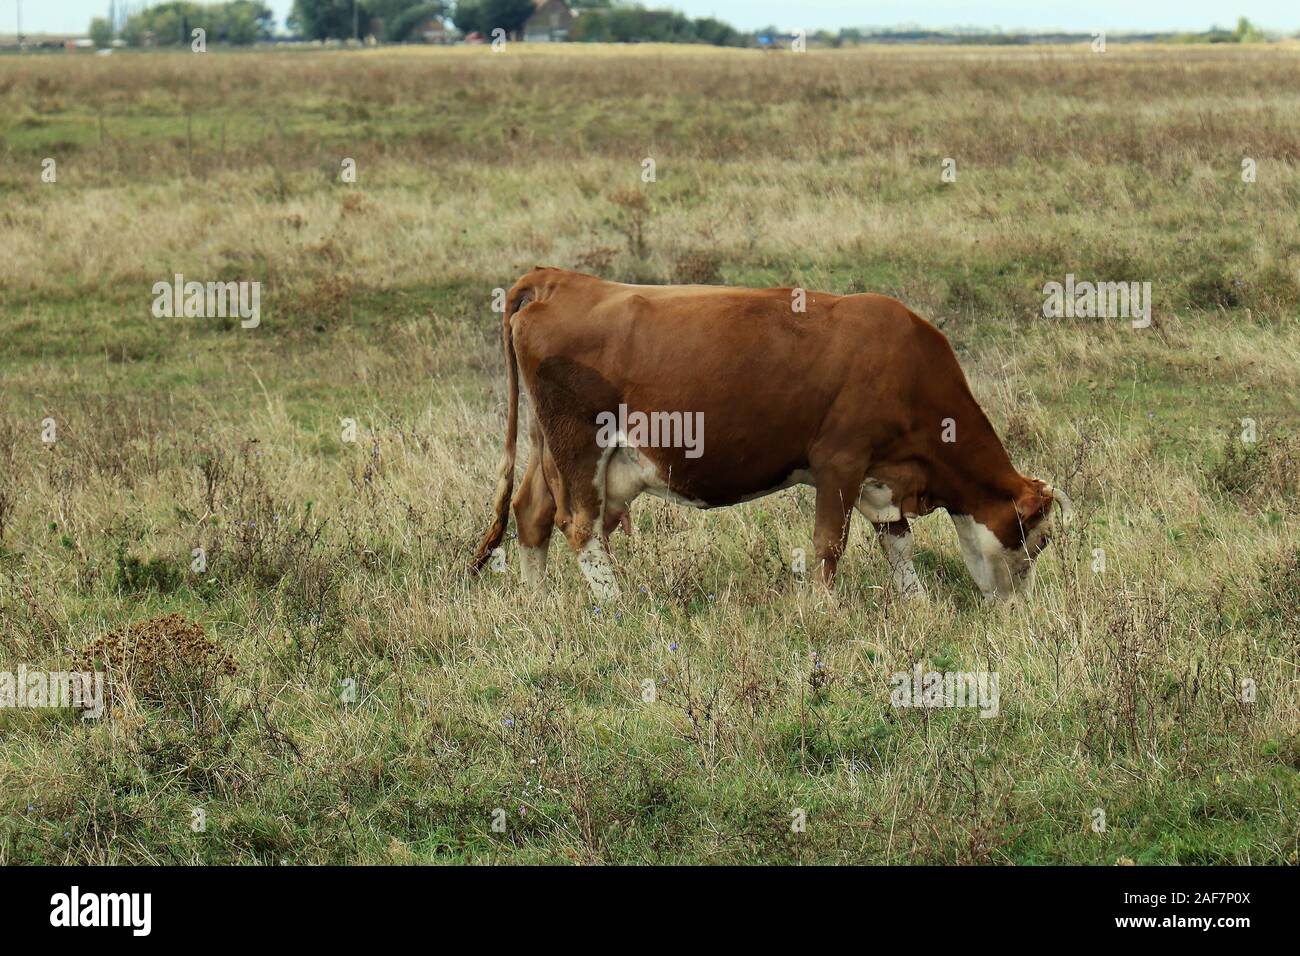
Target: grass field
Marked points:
337	569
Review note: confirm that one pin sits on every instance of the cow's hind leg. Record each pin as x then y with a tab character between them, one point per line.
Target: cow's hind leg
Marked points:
896	542
836	496
534	508
581	519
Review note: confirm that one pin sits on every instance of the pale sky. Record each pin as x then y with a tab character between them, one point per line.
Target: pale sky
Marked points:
73	16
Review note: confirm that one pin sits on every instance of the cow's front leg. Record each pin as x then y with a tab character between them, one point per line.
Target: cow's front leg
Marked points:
831	531
896	542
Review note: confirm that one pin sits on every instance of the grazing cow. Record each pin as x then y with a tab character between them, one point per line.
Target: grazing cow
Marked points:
854	395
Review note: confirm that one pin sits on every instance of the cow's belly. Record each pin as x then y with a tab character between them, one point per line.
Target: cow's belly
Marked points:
733	458
629	472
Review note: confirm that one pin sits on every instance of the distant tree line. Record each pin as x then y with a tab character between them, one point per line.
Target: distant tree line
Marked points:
395	21
391	20
598	20
1246	32
636	24
238	22
606	21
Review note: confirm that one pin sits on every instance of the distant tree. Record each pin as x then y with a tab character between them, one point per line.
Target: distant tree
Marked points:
167	23
101	32
390	13
591	27
711	30
399	27
1247	32
263	15
329	19
509	15
242	22
468	16
133	32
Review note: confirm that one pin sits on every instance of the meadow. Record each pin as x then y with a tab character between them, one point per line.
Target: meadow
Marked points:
330	685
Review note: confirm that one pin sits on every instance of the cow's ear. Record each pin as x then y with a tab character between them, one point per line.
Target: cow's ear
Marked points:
1034	501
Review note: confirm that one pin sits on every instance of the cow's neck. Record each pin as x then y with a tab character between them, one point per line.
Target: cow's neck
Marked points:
975	470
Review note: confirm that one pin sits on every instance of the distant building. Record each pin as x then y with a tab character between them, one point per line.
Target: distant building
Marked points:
550	21
432	30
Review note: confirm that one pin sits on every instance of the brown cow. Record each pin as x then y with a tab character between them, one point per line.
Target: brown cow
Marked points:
756	390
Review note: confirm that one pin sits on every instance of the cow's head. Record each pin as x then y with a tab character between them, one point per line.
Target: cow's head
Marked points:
1001	541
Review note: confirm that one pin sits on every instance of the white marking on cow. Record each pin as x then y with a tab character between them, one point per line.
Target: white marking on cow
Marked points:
598	570
976	548
898	551
627	473
876	503
532	566
999	572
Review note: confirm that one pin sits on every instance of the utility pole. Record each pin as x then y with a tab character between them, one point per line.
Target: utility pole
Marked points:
20	26
355	35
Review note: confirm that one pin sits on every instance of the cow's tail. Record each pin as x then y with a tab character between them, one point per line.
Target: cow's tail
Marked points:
517	298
